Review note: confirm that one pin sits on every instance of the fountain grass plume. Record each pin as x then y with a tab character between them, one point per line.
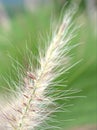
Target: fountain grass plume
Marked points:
33	105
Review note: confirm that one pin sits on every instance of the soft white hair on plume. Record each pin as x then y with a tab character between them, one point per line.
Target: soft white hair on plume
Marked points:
32	105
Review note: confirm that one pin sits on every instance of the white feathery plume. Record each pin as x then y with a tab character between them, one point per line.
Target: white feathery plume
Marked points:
32	105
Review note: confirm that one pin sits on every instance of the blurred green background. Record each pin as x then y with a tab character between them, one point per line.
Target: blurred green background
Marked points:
21	24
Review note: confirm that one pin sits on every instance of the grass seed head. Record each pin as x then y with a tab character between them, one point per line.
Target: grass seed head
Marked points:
33	105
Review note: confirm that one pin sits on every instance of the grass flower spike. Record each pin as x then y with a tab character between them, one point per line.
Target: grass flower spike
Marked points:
33	105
